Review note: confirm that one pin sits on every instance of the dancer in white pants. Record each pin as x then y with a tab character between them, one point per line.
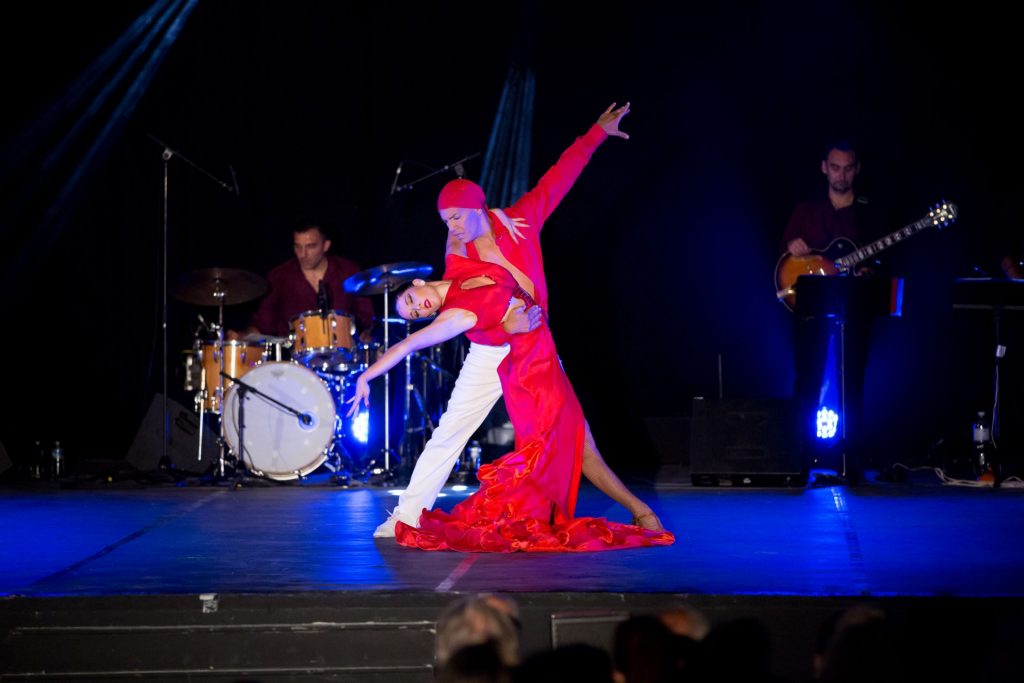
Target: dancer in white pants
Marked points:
476	391
511	239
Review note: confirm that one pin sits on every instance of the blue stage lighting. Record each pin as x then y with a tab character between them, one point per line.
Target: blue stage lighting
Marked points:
827	423
360	428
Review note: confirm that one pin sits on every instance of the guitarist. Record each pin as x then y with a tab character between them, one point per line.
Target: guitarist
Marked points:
816	222
814	225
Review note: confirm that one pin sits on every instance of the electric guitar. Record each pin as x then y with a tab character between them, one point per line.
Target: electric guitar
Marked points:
842	255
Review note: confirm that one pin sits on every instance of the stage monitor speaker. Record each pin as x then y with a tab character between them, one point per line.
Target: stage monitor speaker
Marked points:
746	442
182	440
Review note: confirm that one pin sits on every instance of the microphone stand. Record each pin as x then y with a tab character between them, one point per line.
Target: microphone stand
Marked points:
455	165
305	418
394	181
323	302
167	155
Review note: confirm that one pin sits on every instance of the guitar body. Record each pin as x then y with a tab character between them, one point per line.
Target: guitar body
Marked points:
842	255
818	262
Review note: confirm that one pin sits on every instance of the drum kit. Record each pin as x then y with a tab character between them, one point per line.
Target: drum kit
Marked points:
280	403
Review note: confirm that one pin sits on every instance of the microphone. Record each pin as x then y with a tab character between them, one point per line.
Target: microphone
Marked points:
394	181
323	299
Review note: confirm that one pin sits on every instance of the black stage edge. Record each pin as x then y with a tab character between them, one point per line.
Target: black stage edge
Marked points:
388	636
281	582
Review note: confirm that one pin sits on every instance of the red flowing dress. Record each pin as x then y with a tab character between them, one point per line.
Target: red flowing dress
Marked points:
527	497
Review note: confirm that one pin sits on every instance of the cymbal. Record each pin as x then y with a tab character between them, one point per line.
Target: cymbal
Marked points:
217	286
388	277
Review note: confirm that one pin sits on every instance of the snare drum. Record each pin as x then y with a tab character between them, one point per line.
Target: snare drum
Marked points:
239	358
321	337
278	444
276	348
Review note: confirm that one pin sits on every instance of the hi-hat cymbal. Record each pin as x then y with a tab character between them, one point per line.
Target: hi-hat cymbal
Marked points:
387	277
217	286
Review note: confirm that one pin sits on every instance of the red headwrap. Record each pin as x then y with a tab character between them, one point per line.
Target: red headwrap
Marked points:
462	194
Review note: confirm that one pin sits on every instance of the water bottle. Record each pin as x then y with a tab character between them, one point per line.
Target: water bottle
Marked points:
57	455
474	455
981	438
38	467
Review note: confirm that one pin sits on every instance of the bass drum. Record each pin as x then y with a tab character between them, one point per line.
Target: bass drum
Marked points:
278	444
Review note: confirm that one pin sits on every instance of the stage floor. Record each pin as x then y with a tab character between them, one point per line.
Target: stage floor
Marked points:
874	539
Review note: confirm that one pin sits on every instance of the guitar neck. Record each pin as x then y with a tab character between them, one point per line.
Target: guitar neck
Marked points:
852	259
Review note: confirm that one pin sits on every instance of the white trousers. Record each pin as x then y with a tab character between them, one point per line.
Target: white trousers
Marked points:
477	389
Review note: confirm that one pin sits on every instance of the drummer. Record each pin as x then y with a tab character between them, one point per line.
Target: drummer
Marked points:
295	287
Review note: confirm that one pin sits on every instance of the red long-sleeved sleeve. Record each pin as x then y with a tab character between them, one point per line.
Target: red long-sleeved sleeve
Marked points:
537	204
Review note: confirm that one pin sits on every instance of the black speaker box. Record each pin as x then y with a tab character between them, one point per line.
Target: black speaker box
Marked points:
746	442
182	440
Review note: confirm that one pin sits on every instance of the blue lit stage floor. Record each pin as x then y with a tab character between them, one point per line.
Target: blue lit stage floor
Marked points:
910	539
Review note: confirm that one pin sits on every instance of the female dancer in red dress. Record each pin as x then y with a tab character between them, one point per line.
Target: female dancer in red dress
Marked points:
526	498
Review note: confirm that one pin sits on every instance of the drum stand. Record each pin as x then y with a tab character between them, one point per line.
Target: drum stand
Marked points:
202	411
201	397
387	472
410	391
219	292
385	279
426	419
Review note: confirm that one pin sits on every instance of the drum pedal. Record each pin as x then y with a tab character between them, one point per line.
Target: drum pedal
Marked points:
343	480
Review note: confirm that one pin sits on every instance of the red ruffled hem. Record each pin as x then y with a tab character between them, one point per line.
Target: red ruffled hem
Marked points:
510	513
441	531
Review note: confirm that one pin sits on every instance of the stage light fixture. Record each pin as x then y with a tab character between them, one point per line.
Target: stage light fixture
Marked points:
360	428
827	423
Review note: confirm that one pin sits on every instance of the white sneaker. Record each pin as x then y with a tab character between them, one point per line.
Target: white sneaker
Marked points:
387	529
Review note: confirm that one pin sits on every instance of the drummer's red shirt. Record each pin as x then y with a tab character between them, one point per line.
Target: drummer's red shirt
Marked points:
290	294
